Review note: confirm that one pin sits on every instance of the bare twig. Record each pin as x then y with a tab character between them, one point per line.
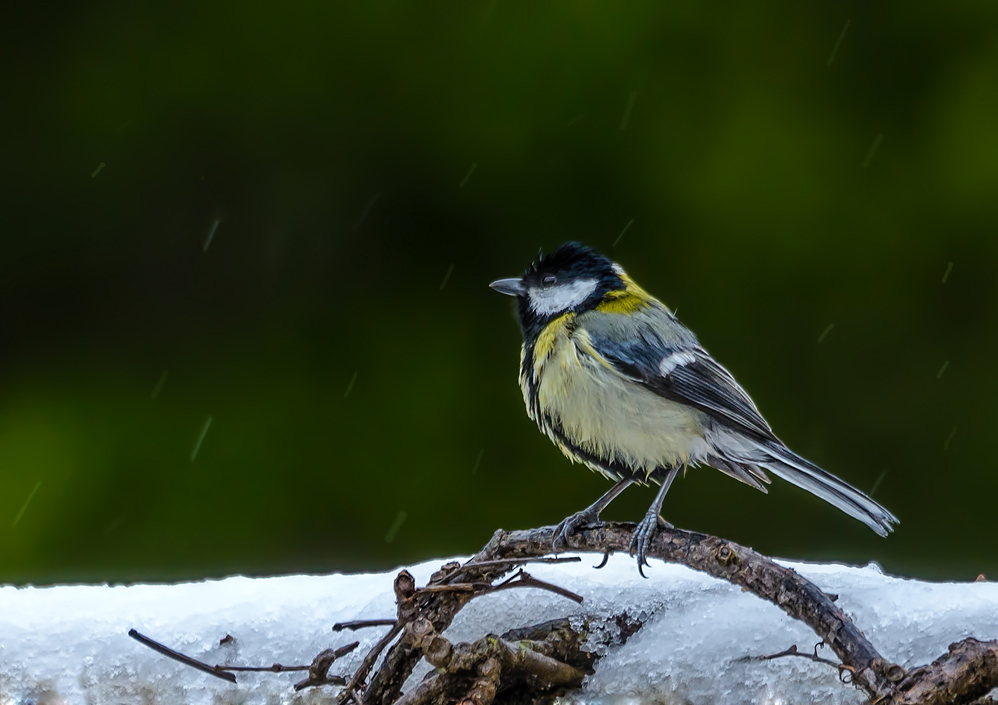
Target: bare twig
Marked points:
503	563
318	672
405	594
843	669
968	671
523	579
363	624
737	564
182	658
476	670
360	675
276	668
456	587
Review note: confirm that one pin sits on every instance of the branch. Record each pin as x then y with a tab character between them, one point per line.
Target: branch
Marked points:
182	658
792	651
440	608
967	672
475	672
317	672
736	564
964	675
363	624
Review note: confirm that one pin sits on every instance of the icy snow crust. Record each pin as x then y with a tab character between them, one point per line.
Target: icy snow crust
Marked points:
70	644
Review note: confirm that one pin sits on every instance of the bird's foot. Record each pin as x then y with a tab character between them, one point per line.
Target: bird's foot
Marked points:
568	526
643	535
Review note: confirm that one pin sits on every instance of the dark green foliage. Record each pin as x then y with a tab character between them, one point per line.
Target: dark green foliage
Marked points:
766	194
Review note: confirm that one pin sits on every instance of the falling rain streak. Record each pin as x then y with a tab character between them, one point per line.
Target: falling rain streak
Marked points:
627	111
394	528
949	438
467	176
447	276
211	234
949	268
349	388
367	210
204	431
160	384
835	49
24	506
629	224
873	150
879	480
97	170
478	461
826	332
942	369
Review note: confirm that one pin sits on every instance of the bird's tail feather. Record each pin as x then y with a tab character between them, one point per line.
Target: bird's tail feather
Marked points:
786	464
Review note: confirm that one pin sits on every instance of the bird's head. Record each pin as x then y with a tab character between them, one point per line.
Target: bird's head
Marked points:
574	278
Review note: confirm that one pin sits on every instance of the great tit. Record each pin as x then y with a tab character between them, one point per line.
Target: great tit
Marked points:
613	378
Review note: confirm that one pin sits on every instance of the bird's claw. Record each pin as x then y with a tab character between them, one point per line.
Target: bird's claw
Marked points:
643	534
568	526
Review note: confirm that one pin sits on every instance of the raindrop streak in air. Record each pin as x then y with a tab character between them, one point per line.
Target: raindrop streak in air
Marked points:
350	385
835	49
873	150
627	111
447	276
204	431
211	234
160	384
396	525
629	224
468	175
949	268
26	503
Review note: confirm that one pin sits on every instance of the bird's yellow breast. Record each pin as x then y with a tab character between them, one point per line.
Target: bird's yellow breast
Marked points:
602	412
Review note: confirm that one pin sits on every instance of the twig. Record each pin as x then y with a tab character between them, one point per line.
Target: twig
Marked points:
360	675
503	563
177	656
456	587
488	663
968	671
792	651
276	668
318	672
523	579
363	624
326	659
737	564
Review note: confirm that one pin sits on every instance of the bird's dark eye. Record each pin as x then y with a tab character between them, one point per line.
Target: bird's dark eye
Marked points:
549	280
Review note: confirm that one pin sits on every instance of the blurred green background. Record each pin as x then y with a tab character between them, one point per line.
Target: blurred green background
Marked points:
364	170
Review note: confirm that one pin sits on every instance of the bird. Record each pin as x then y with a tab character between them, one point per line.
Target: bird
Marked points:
611	376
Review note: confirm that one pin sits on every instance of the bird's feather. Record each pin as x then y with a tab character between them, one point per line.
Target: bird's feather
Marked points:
674	366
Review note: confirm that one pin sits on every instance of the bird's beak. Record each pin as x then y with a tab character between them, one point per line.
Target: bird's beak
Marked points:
510	287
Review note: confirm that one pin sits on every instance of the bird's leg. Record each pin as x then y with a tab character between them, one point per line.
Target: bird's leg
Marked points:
646	529
588	516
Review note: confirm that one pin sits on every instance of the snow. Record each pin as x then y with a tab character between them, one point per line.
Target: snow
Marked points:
69	644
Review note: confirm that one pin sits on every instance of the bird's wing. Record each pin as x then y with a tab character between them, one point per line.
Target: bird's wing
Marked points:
665	357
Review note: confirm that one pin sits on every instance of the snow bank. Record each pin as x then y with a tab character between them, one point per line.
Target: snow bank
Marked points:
70	644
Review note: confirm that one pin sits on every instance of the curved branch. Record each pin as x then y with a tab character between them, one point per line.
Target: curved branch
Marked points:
736	564
967	672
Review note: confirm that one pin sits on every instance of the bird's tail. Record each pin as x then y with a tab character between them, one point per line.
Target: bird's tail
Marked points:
784	463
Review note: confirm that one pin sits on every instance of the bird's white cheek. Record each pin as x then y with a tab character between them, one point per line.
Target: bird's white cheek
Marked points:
561	297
